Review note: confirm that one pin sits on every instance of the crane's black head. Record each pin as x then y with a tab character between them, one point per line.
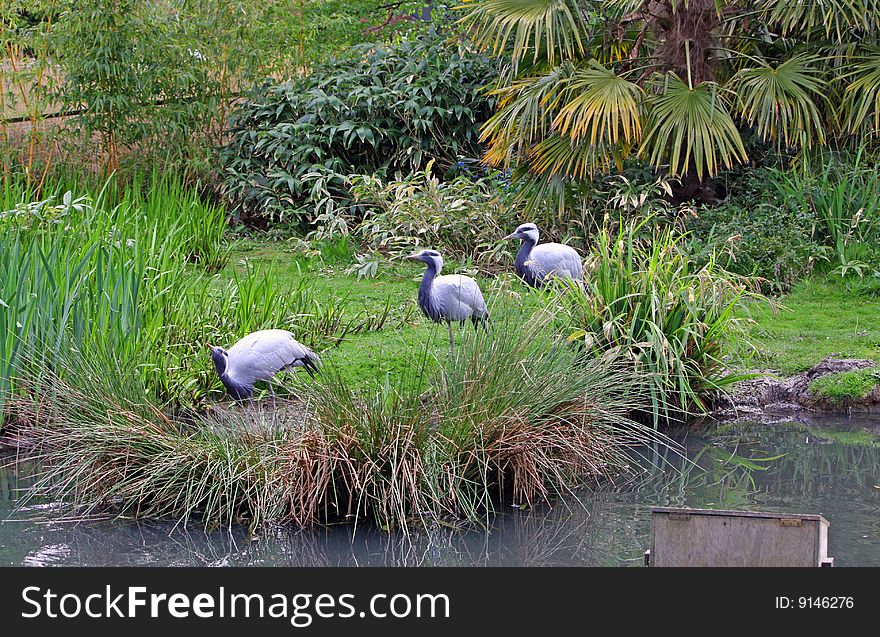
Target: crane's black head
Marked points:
525	231
429	257
220	358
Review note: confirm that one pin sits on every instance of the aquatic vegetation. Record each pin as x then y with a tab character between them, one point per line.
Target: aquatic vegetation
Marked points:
506	419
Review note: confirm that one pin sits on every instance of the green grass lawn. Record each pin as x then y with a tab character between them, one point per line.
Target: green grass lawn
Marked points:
820	317
407	338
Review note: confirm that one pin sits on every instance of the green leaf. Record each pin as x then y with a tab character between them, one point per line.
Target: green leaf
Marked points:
861	101
546	29
831	17
691	128
601	105
780	101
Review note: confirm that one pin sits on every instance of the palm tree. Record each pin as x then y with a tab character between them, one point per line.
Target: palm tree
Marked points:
675	82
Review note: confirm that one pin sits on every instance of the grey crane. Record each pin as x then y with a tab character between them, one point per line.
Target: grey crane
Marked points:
536	264
260	356
452	297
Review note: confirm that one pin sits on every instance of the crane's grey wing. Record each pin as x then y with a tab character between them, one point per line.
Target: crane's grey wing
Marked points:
261	355
458	297
558	259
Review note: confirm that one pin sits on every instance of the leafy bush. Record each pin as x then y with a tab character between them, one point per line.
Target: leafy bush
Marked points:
380	109
759	231
781	224
643	301
464	218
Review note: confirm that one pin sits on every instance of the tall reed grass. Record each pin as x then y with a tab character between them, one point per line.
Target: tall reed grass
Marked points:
843	193
64	282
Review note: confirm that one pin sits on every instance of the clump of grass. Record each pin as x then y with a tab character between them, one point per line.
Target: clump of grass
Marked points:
169	201
644	302
529	417
514	416
102	445
845	385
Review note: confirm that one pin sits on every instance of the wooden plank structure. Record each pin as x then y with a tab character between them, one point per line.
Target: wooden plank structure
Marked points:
706	537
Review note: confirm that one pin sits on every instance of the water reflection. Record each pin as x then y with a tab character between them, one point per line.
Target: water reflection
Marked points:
746	466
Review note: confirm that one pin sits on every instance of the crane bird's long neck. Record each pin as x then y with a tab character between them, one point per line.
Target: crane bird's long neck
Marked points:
426	298
235	389
522	257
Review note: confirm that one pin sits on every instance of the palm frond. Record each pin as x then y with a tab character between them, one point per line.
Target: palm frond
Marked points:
691	128
548	29
833	17
861	100
601	106
781	101
526	108
560	156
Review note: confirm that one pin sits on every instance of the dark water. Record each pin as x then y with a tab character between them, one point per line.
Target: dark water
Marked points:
734	466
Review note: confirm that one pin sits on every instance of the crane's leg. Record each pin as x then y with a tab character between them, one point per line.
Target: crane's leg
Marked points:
451	340
272	393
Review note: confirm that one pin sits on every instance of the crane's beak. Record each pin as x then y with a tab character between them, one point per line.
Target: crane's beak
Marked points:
511	236
209	346
415	255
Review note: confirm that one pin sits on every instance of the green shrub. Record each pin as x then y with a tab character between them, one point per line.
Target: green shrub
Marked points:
380	109
843	194
822	213
758	231
464	218
645	302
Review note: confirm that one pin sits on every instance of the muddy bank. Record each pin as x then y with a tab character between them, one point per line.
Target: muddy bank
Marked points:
773	395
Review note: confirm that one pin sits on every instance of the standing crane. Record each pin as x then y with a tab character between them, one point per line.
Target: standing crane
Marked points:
452	297
260	356
536	264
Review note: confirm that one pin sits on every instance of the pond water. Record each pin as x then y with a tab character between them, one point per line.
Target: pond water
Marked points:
742	466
